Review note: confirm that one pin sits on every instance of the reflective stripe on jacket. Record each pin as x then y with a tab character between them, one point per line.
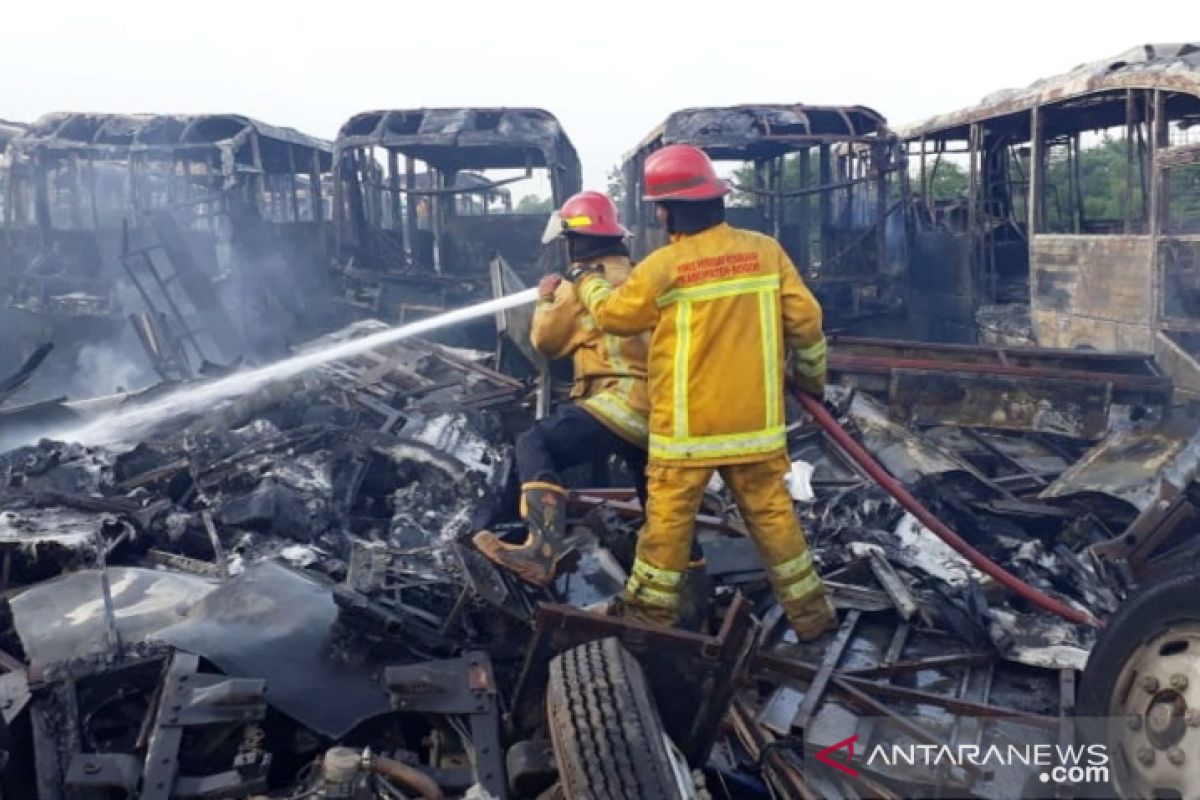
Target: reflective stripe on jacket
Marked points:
722	306
610	371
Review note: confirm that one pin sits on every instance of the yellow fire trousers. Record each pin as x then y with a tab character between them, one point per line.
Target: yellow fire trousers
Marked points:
665	541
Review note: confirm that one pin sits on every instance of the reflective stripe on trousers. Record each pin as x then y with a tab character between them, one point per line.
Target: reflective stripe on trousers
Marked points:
664	544
795	579
652	586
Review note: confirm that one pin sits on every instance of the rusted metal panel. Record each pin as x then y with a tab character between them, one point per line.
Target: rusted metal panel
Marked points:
1123	368
1066	407
906	455
1091	276
1133	465
1179	270
1086	295
1171	512
870	363
1059	329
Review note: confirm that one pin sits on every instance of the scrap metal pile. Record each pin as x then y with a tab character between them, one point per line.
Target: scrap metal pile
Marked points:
278	596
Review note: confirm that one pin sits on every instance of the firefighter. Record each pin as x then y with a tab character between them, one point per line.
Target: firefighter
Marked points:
722	305
608	415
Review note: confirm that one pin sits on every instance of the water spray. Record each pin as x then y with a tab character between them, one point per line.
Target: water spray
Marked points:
122	423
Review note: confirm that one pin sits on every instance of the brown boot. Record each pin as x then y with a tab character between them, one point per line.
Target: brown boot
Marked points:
543	506
812	617
649	615
695	596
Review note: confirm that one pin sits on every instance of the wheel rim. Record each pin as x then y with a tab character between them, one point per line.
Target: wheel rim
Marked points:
1155	716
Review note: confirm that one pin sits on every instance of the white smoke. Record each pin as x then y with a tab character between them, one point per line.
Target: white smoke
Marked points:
101	369
128	422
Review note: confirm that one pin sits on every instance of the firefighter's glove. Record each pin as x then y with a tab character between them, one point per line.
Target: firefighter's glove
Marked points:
802	376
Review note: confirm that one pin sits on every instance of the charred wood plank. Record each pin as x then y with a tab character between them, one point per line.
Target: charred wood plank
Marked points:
917	665
785	776
859	598
869	705
805	671
154	475
816	688
10	385
896	587
215	541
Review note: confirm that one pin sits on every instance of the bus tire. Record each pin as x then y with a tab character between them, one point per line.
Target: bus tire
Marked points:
608	739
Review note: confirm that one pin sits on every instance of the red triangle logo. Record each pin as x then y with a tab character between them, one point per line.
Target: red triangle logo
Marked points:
824	757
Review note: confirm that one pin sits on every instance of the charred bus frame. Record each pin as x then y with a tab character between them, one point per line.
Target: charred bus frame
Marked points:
1081	204
205	199
8	131
419	220
825	182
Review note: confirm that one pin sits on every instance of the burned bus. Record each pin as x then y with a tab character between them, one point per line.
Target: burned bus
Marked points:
824	180
8	132
211	230
1066	214
423	203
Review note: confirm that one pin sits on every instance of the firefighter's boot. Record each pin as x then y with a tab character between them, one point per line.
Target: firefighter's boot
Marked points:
811	617
537	559
695	592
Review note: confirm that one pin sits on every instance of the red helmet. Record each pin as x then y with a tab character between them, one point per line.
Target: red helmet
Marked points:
682	172
587	214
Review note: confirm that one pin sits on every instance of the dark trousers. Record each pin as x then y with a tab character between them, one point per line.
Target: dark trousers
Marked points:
571	436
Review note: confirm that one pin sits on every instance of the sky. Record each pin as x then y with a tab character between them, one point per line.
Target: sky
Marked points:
610	71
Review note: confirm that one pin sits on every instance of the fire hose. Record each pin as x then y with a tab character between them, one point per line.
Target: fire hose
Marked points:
893	487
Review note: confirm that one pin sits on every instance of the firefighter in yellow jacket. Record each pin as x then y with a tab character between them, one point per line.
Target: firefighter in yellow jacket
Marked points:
611	403
722	306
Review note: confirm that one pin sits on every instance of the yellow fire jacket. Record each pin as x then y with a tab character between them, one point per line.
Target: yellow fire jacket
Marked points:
610	371
722	305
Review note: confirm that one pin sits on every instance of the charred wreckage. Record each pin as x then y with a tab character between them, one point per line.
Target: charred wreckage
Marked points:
273	593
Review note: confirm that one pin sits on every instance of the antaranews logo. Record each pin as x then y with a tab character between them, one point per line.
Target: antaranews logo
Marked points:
1053	764
1039	765
1059	764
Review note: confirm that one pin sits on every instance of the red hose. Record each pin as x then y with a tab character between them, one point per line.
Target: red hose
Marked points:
960	545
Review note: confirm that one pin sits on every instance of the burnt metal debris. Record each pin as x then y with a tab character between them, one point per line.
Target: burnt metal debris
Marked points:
277	596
